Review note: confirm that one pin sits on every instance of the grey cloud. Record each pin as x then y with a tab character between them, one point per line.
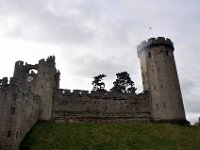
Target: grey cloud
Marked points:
101	36
93	65
88	66
187	86
192	104
190	82
42	25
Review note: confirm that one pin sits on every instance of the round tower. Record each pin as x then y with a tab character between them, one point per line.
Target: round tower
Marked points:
161	80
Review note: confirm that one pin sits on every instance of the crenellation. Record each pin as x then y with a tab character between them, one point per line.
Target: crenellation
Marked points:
67	92
145	45
13	81
19	63
161	39
3	82
84	92
50	59
63	92
33	96
110	107
151	40
76	92
41	61
95	94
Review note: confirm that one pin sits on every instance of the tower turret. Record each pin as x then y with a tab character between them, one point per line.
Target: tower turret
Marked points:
46	85
161	80
20	72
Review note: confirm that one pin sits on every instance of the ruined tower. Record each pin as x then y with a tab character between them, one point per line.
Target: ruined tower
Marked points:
45	85
161	80
43	82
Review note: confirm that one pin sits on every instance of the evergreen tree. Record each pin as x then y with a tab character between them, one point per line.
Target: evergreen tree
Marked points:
97	83
123	84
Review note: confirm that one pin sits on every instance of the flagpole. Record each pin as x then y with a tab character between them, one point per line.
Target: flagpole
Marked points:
150	28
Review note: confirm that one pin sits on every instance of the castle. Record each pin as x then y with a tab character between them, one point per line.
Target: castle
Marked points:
33	96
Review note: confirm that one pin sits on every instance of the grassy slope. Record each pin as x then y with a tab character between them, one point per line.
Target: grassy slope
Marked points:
137	136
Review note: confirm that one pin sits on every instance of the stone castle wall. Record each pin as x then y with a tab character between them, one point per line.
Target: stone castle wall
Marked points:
42	79
82	106
21	107
19	111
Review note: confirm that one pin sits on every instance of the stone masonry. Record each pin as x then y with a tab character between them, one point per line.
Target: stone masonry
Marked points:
83	106
33	94
160	79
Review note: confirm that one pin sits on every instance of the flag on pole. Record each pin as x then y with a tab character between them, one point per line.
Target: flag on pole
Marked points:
150	28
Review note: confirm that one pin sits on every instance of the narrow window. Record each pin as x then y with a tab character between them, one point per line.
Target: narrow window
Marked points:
41	86
9	133
14	97
149	54
158	69
161	86
167	53
164	105
12	110
154	87
152	70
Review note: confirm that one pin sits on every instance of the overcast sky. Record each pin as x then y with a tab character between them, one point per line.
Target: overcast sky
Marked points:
89	37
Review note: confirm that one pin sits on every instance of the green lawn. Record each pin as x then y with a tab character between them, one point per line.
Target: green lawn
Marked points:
130	136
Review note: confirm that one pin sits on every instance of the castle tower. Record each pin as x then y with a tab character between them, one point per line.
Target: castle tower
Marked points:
45	86
161	80
20	73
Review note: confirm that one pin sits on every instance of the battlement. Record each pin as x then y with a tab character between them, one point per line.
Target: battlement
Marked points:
22	64
33	94
19	63
3	81
155	41
64	92
97	106
50	59
76	92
